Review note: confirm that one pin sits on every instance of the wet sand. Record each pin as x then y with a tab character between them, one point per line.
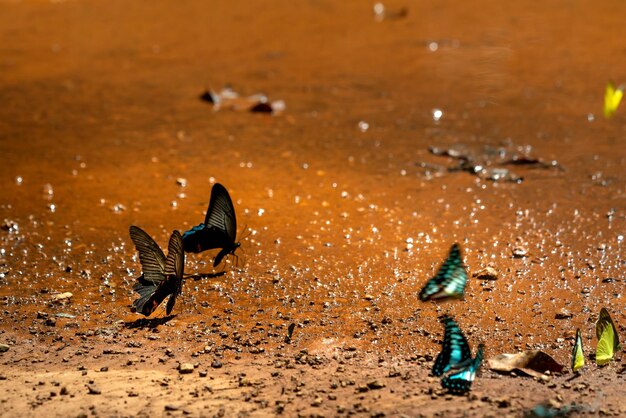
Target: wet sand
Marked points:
101	116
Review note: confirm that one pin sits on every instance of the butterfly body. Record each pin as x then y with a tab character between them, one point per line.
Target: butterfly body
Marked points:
460	382
450	280
219	229
162	276
454	351
608	338
578	358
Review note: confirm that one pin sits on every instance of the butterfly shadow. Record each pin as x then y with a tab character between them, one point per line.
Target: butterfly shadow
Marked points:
201	276
574	377
148	323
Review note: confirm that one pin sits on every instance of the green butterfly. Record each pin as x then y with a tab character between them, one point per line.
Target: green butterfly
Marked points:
608	340
578	358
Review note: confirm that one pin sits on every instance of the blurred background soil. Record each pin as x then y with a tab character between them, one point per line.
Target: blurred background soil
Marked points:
346	211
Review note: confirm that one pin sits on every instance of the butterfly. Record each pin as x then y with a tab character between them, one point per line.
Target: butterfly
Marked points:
454	350
608	340
219	229
161	277
578	358
612	98
450	279
460	382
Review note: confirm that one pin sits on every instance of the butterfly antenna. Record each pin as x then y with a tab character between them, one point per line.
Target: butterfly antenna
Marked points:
245	235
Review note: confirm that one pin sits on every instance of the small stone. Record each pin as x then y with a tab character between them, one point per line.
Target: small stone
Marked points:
93	389
216	364
4	348
61	296
317	401
563	314
203	373
64	391
488	273
185	368
520	252
503	402
182	182
376	384
368	297
170	407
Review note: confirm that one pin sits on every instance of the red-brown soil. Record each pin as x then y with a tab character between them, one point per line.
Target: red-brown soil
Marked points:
100	116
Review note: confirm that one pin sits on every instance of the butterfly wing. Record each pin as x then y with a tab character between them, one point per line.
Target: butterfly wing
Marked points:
192	239
146	290
175	261
151	257
450	279
612	98
152	262
455	348
174	268
221	213
460	382
608	340
578	358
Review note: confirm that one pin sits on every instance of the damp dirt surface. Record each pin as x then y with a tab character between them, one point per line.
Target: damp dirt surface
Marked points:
347	202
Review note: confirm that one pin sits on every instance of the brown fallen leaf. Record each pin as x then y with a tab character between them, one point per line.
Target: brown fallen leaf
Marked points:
532	363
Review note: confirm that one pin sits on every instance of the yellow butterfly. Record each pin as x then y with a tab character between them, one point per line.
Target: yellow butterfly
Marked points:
608	340
612	98
578	358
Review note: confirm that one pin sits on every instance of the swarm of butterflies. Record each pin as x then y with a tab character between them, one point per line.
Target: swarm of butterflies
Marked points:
455	362
163	276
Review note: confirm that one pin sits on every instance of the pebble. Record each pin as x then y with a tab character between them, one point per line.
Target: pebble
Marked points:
216	364
185	368
488	273
563	314
519	252
4	348
62	296
170	407
376	384
93	389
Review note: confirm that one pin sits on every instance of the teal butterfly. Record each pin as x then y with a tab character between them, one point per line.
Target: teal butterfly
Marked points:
460	382
450	279
454	351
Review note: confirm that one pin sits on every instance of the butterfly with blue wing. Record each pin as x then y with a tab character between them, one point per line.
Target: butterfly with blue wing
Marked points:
450	280
454	350
161	276
460	382
219	229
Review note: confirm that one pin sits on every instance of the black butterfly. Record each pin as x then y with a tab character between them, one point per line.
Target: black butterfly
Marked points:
450	279
161	276
454	351
460	382
219	229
